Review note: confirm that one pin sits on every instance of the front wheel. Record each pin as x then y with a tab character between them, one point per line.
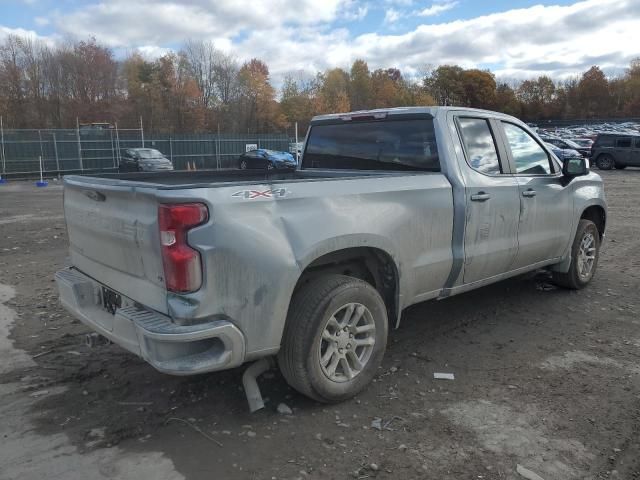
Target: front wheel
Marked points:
585	252
334	338
243	165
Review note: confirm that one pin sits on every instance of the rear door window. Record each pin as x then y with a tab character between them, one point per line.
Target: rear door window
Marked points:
528	155
623	143
604	141
479	145
407	144
637	142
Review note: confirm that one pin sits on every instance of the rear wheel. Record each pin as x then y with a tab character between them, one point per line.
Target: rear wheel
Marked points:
334	338
243	164
585	252
605	162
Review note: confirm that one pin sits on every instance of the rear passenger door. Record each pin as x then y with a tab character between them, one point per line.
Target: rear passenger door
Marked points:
492	202
545	203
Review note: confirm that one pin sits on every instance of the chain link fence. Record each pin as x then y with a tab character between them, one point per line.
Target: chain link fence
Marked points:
90	150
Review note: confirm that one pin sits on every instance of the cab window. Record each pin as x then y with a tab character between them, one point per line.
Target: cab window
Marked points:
479	145
528	155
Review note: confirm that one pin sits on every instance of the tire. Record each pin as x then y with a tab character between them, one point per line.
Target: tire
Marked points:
605	162
270	166
620	167
575	278
315	330
243	165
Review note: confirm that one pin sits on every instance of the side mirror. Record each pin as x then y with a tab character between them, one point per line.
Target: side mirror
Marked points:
575	167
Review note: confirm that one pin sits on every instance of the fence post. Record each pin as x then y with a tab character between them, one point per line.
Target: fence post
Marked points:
4	172
113	150
170	149
141	131
296	147
79	145
218	149
117	145
55	152
41	151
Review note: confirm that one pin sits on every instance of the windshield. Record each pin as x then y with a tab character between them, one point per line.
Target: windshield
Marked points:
373	145
148	153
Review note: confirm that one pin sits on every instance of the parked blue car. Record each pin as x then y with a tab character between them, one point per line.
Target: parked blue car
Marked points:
563	153
267	159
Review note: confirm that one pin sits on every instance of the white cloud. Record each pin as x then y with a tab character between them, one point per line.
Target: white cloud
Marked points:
437	8
123	22
391	16
301	35
151	52
21	32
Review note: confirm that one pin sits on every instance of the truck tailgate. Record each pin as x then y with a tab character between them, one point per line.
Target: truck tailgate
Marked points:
113	238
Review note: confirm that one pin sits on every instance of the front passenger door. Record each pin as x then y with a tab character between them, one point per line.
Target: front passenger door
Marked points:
546	206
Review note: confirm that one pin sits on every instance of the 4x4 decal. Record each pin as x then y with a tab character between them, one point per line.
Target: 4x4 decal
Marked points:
270	193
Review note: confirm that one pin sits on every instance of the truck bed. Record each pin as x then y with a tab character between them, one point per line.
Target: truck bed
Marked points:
224	178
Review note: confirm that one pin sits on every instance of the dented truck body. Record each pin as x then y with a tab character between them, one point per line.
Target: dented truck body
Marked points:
416	231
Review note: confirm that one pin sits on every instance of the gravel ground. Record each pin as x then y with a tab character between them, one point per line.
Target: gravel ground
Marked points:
545	378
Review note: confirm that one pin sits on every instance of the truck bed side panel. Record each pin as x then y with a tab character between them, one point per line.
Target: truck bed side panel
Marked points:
256	248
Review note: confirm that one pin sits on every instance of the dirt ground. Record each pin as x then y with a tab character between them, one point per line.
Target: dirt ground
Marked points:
545	378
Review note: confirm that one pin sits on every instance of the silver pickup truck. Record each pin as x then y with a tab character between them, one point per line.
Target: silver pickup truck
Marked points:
203	271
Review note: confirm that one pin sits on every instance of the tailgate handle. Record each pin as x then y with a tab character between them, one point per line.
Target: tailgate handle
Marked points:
480	197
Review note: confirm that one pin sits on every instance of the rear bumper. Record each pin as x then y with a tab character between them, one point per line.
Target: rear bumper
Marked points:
170	348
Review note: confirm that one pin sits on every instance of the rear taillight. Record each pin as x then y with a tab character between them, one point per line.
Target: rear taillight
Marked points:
182	265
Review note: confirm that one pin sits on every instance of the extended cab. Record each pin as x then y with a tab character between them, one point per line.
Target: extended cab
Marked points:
203	271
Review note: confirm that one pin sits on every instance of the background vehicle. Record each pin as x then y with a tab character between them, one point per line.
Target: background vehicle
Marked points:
389	208
144	160
568	144
563	153
267	159
616	150
583	142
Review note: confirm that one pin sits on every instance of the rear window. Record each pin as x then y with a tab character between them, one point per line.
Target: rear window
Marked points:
373	145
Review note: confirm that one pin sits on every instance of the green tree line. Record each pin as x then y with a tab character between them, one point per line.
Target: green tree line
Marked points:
199	88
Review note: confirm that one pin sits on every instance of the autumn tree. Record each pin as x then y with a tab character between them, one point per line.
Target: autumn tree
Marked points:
360	94
334	92
12	89
479	87
506	100
296	102
445	84
593	93
258	108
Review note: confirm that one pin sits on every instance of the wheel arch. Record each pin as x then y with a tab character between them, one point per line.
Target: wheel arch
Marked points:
597	215
374	265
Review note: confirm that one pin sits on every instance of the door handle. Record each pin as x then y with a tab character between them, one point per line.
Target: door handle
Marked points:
480	197
529	193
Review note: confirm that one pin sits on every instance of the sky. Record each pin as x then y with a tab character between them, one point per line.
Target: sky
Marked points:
516	39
